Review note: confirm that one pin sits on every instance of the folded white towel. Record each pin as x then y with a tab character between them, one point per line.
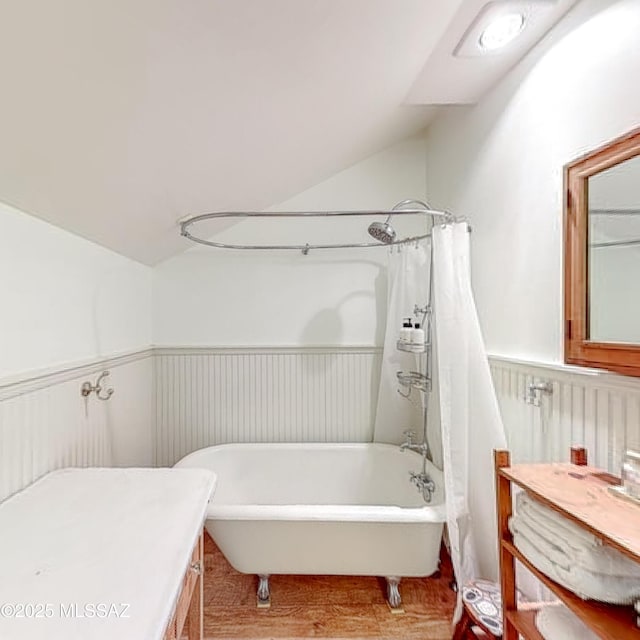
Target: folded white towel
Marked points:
558	524
555	554
586	584
556	622
569	543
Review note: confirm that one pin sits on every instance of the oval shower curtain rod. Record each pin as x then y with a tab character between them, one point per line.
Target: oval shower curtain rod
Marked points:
383	232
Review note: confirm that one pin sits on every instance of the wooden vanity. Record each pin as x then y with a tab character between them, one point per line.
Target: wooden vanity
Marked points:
189	606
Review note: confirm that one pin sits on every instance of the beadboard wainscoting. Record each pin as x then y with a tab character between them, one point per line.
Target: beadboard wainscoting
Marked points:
208	396
171	401
586	407
46	424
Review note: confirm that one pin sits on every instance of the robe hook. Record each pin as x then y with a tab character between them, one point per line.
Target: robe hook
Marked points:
87	388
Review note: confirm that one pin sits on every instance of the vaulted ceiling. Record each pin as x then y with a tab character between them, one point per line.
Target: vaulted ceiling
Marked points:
118	117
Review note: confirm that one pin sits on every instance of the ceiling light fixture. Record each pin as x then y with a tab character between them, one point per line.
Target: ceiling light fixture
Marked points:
501	31
499	23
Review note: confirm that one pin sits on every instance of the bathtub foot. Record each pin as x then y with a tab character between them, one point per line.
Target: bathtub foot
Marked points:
264	595
393	592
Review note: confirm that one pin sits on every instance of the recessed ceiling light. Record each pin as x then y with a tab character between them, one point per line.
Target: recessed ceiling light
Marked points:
500	22
501	31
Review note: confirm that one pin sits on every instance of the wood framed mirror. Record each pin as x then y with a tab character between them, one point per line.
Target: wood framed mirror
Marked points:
602	257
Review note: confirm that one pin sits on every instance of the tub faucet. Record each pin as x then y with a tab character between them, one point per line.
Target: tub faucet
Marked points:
421	448
424	483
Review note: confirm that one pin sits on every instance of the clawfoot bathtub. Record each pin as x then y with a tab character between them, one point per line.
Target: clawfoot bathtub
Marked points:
322	509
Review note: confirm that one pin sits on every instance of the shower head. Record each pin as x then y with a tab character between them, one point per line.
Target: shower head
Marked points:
382	231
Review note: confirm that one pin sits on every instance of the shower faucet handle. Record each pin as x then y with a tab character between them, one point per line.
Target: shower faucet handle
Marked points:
410	435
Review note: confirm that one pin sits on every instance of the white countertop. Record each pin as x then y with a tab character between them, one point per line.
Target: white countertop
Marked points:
92	554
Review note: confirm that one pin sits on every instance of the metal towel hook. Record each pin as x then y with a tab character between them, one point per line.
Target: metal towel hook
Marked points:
536	390
87	388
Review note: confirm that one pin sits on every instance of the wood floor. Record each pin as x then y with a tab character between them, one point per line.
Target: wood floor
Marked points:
322	606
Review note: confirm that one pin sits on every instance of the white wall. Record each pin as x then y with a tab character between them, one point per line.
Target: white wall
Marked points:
65	299
500	163
237	298
68	305
45	424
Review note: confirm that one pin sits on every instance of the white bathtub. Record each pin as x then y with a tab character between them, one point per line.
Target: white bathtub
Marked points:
338	509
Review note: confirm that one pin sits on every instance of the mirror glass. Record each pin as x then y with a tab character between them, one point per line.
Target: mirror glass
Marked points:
614	254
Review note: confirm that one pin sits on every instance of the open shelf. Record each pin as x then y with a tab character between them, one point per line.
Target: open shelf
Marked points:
581	494
524	620
611	622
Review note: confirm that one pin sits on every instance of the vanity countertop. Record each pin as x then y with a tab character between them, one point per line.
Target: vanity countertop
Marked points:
98	553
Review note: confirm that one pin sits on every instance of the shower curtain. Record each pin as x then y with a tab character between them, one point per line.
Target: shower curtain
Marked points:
470	417
464	419
408	285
